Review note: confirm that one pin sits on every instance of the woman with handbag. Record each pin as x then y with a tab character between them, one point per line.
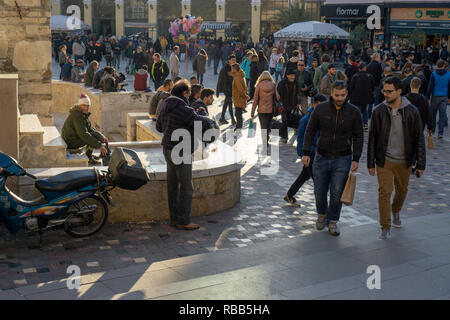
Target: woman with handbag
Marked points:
264	101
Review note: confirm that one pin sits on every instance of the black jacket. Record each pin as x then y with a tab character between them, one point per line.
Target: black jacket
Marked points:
176	114
282	90
350	72
340	131
375	69
361	88
421	103
225	82
97	78
139	60
380	127
159	71
254	72
406	85
197	104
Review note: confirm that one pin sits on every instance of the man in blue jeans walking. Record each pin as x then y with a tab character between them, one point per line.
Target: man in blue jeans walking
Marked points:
339	148
439	92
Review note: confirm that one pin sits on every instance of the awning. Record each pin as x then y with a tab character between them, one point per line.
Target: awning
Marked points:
144	25
214	25
307	31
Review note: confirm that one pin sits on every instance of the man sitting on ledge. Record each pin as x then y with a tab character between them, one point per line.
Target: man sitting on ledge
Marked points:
77	131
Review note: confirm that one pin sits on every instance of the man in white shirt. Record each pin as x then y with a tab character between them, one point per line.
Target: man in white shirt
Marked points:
274	57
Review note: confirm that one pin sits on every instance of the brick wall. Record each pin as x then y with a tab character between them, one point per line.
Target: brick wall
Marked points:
25	48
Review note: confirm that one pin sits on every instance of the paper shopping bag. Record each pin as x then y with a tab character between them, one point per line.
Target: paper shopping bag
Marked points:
252	129
349	191
430	142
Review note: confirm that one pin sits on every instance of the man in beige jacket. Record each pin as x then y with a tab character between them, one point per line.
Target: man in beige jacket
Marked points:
174	63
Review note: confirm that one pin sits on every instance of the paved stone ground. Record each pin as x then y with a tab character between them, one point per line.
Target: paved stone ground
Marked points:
261	220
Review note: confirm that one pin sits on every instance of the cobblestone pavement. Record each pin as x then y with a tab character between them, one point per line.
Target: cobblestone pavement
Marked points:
261	217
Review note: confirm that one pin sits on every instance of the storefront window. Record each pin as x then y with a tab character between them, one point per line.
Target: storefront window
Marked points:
136	10
168	10
270	8
238	11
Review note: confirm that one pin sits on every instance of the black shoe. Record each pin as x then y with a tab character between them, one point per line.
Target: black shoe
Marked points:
223	121
233	122
292	201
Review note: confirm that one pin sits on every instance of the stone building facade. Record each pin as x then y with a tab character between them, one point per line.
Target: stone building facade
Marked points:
25	49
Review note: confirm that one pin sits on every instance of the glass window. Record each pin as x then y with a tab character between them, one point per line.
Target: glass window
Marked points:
238	11
136	10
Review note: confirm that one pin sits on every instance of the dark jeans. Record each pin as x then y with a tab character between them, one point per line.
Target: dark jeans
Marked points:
117	61
439	104
158	84
284	128
251	87
200	77
216	65
330	175
376	101
363	110
179	189
265	120
238	114
304	176
228	103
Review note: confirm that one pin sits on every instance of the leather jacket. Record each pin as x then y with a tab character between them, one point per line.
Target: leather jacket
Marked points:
380	127
340	131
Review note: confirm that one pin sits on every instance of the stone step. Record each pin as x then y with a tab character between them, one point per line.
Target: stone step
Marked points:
52	138
76	160
115	137
29	125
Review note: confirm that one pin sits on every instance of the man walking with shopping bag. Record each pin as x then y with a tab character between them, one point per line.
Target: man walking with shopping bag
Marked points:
396	143
339	148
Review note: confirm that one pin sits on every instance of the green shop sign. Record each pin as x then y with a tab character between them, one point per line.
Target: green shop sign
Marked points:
432	13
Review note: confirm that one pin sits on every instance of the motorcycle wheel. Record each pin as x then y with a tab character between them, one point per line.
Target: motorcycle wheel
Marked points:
80	225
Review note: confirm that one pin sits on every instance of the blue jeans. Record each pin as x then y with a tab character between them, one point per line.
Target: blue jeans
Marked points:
330	174
439	104
277	75
272	71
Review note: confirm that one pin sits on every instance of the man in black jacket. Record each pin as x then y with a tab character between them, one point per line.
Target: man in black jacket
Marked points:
421	103
287	95
158	71
176	114
339	148
396	143
376	70
361	91
351	69
225	85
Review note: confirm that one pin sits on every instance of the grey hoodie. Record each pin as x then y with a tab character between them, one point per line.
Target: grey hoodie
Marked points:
395	151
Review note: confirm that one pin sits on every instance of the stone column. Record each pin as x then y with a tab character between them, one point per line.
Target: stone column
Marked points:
9	121
153	17
185	7
220	17
256	20
56	7
120	18
88	12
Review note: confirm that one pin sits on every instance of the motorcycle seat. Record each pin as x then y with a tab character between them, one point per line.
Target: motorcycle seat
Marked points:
67	181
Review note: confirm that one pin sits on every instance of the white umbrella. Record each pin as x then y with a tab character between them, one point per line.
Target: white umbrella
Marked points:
67	23
310	30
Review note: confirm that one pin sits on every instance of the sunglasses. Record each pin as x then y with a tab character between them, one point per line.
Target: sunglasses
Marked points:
300	65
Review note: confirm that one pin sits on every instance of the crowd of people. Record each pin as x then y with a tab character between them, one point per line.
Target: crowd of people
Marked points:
390	94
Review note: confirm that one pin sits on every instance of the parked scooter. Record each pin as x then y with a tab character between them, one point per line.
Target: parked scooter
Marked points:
74	200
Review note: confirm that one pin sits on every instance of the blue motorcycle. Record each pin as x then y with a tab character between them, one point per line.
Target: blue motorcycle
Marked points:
73	200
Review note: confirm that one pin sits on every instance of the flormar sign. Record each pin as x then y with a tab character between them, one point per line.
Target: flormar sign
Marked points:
347	12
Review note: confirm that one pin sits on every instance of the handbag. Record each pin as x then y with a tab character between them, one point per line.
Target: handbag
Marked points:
348	194
251	129
277	107
430	141
293	117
